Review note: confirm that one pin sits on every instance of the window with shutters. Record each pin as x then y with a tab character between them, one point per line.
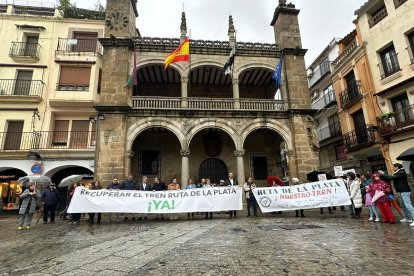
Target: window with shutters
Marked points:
13	135
79	134
23	82
60	133
74	78
85	42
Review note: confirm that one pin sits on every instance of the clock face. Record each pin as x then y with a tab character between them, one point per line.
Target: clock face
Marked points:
117	21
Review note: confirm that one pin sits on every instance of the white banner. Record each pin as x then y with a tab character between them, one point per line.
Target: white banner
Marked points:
181	201
304	196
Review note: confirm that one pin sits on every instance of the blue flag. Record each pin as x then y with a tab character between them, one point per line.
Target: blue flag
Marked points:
277	76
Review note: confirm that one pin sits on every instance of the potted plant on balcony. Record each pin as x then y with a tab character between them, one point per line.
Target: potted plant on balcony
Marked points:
385	116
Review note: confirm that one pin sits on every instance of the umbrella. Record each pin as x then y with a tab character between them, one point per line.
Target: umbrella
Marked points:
407	155
313	176
36	179
71	179
276	179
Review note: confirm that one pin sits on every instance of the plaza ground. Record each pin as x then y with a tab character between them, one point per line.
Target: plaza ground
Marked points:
271	244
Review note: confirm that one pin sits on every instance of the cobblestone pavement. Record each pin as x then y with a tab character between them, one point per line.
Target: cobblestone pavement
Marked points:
269	245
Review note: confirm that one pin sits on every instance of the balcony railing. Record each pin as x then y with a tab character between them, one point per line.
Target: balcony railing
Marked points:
17	87
329	131
326	100
398	121
23	49
398	3
72	87
389	66
79	45
350	95
207	104
345	53
359	137
324	68
377	17
410	54
21	141
16	141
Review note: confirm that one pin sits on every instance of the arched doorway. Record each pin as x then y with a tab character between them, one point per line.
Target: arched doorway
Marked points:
156	153
265	154
10	190
212	155
60	173
213	168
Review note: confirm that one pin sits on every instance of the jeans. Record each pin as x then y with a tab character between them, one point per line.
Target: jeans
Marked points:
373	211
46	210
29	219
251	202
407	205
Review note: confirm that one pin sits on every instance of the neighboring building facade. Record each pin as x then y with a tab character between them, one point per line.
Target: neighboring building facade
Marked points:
387	30
197	122
354	89
49	84
331	147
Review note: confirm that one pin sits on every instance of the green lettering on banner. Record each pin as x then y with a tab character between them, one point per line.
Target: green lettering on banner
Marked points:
161	205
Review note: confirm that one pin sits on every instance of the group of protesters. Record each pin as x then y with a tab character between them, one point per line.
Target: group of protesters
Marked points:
374	191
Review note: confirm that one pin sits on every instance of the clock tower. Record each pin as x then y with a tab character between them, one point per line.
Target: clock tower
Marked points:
120	18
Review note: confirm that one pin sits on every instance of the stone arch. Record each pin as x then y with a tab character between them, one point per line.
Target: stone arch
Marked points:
207	62
138	127
239	70
274	125
53	171
218	124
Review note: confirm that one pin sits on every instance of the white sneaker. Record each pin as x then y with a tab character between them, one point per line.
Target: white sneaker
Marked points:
412	224
377	220
371	219
406	220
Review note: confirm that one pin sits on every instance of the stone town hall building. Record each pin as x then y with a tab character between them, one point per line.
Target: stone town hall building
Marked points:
194	121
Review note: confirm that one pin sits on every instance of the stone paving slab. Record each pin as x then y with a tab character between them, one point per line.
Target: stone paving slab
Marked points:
268	245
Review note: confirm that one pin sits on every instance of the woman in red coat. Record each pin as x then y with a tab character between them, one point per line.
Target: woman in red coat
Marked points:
382	203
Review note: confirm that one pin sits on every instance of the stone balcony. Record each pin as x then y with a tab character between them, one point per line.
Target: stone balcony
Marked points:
348	51
223	104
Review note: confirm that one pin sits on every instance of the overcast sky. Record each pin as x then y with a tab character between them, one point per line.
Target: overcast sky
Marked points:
320	20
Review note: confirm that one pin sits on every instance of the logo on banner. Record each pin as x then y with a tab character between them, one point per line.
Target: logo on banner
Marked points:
265	201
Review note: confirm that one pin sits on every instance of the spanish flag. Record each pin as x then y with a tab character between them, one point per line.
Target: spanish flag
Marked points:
182	53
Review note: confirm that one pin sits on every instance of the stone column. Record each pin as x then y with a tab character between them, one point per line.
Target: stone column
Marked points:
184	92
236	95
240	166
185	167
127	168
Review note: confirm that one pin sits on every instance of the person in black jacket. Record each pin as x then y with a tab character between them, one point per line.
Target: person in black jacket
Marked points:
231	182
144	186
159	186
400	182
50	199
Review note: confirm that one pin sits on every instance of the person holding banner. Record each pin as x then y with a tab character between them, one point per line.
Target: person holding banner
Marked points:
249	186
173	186
208	185
231	182
95	185
379	191
190	185
159	186
144	186
114	186
295	181
355	194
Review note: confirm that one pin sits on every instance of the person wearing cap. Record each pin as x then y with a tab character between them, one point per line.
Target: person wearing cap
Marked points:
295	181
29	198
50	199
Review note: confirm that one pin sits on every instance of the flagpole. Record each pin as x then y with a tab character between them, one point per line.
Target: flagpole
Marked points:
189	65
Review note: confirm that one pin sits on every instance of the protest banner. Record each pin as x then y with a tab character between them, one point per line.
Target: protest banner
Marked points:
180	201
304	196
338	171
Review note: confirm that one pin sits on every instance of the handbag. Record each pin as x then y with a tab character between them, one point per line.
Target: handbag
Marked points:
377	195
